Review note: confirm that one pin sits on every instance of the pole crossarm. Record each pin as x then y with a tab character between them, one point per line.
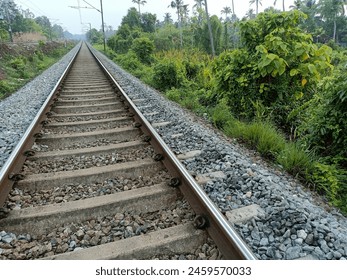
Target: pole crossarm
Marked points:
79	7
92	7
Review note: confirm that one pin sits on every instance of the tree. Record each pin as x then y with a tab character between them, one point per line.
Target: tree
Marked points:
257	3
140	2
167	18
178	4
331	12
198	7
226	11
132	19
209	29
46	26
148	21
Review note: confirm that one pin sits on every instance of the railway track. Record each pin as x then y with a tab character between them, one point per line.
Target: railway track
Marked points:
91	179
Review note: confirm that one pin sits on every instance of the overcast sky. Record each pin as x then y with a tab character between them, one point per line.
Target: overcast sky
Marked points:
114	10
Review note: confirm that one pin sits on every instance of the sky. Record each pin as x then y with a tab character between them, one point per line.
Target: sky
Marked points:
60	12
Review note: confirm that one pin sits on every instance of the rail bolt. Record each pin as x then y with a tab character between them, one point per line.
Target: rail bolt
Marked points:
137	125
147	138
38	135
49	114
16	177
174	182
201	222
29	153
158	157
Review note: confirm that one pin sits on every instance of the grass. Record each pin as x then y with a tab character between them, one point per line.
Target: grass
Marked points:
18	70
262	136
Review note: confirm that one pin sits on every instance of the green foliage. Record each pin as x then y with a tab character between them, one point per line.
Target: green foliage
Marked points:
331	181
143	47
129	61
221	115
168	74
5	88
19	64
295	160
325	127
18	69
263	137
278	67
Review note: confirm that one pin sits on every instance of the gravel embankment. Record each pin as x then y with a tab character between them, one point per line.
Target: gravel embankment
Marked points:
18	110
295	224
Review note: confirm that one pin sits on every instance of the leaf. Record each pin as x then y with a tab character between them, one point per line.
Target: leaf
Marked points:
311	68
303	82
293	72
305	56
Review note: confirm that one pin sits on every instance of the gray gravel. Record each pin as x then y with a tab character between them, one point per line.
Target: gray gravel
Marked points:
295	224
18	110
85	234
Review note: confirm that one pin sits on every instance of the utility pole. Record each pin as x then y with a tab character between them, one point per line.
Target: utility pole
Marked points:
103	25
101	11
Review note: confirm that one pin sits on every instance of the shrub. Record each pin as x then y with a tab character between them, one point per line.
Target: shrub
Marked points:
143	48
168	74
325	126
294	160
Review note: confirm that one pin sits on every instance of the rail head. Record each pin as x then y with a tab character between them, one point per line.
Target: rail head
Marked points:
10	172
208	215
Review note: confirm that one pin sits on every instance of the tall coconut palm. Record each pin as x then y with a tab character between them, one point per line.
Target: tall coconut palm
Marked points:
226	11
178	4
257	3
283	7
140	2
198	7
209	29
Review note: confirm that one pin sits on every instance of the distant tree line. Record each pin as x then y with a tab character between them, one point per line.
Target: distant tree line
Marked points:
14	20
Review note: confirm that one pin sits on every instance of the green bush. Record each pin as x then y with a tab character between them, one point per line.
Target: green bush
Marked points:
221	115
331	181
294	160
264	138
5	88
129	61
325	127
278	66
168	74
143	48
19	64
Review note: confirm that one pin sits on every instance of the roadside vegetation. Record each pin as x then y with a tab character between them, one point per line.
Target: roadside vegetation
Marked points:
277	81
20	63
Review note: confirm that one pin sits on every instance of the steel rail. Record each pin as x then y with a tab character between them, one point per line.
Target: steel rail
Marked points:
9	173
224	235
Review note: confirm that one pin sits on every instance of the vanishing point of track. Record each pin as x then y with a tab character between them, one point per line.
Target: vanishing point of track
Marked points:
90	156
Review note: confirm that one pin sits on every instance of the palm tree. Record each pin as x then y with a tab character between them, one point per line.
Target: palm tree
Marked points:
167	18
283	7
209	29
332	9
178	4
140	2
226	11
198	7
257	3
